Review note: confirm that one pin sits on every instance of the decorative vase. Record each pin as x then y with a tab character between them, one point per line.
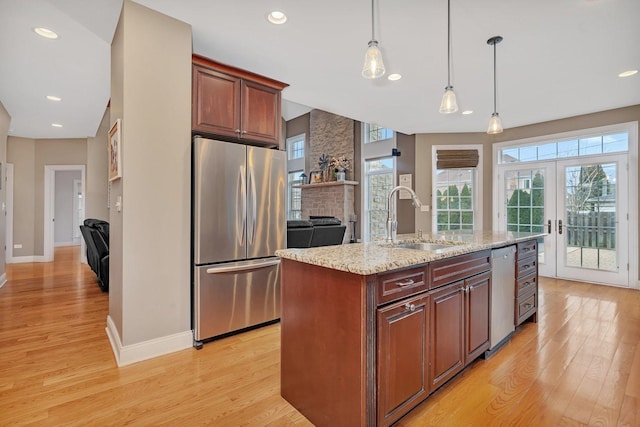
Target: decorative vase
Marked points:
341	175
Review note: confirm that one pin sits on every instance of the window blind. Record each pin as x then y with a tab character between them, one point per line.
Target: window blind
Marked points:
456	159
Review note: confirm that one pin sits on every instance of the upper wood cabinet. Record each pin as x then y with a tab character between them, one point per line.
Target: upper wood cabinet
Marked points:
235	104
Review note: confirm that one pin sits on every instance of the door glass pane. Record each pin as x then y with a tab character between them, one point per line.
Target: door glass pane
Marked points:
524	190
590	201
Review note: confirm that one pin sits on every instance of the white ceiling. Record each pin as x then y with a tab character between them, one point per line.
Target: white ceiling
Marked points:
558	58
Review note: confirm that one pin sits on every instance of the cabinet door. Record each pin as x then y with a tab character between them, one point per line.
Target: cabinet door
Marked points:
447	333
403	337
216	102
478	293
260	113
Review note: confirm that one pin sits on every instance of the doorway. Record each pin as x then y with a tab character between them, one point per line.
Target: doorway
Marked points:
575	187
75	208
582	205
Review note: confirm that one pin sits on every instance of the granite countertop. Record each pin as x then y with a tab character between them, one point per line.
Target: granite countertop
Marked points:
378	257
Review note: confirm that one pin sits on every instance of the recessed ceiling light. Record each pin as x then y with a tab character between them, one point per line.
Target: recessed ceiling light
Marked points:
53	98
56	125
277	17
467	112
395	76
628	73
46	33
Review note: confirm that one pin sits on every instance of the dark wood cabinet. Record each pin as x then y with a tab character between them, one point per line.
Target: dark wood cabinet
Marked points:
447	333
526	304
460	314
234	104
403	342
477	315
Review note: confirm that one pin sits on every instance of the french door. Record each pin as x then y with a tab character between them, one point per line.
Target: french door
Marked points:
582	205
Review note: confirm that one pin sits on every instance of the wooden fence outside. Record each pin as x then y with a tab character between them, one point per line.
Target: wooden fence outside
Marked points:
591	230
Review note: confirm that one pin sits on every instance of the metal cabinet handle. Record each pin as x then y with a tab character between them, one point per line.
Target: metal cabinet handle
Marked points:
243	132
407	282
410	307
560	226
549	226
527	305
237	131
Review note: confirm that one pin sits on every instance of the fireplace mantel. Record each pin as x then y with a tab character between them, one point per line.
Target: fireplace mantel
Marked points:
326	184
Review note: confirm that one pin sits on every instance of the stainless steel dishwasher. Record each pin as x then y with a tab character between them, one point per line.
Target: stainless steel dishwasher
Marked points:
503	273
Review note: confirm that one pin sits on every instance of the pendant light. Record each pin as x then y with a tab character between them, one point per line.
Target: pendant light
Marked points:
495	126
449	104
373	65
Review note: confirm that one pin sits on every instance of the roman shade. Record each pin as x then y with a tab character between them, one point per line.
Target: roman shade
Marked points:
456	159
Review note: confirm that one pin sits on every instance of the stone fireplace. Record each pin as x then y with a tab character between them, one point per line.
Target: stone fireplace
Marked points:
335	198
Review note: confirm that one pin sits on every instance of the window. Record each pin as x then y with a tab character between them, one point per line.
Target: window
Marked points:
375	133
294	205
457	187
295	147
454	199
295	168
583	146
378	182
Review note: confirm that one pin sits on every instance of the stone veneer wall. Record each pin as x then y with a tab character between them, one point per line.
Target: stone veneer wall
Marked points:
332	199
331	135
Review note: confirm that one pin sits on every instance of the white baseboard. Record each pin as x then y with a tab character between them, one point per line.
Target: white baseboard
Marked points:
61	244
126	355
3	279
19	259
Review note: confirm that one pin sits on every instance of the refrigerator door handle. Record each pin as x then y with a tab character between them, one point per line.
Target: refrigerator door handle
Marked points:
242	215
253	207
243	267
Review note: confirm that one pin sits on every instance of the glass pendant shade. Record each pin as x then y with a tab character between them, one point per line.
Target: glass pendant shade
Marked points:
449	104
495	125
373	65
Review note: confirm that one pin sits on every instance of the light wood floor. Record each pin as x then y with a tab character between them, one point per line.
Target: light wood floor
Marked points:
580	365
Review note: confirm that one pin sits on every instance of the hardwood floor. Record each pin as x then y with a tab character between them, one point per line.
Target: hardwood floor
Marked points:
580	365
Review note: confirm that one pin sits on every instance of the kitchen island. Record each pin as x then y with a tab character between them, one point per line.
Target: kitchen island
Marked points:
369	330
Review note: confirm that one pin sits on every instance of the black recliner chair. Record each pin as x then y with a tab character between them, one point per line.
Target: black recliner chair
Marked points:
317	231
327	231
299	233
96	236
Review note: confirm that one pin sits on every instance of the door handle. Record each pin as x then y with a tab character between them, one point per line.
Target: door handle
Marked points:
549	227
559	226
243	213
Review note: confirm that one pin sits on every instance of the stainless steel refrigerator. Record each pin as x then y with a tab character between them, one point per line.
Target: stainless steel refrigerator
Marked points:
238	222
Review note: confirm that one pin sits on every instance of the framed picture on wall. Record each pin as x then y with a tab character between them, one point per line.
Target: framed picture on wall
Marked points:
115	155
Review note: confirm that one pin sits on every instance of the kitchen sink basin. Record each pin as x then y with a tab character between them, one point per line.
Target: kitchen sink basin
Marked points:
421	246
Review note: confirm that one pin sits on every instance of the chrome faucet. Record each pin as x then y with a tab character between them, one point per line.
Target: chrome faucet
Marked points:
392	223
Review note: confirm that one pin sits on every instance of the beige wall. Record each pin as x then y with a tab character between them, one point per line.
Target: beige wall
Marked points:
51	152
424	142
21	152
151	92
29	158
97	185
405	164
5	121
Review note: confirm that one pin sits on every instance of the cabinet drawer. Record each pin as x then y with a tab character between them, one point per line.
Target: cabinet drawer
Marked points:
526	266
527	248
526	305
400	284
452	269
525	284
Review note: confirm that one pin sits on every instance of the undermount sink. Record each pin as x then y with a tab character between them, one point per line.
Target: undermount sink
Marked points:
421	246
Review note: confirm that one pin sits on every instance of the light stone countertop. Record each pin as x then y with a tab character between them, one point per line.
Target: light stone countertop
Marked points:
378	257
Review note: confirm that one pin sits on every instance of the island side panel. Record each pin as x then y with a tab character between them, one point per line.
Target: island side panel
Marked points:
323	336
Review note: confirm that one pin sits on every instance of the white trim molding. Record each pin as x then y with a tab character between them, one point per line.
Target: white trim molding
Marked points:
3	279
21	259
128	354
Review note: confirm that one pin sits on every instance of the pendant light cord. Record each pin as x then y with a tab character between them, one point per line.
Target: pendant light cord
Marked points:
448	43
373	33
495	110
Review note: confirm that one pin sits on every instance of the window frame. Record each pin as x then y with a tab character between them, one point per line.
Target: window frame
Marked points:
477	181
